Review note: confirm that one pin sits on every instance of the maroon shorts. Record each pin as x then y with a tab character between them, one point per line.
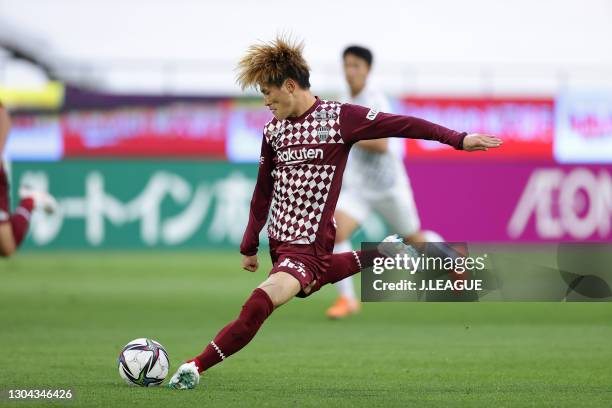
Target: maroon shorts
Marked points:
308	269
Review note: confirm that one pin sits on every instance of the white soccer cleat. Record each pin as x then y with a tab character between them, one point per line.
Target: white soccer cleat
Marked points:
186	377
393	238
42	199
394	245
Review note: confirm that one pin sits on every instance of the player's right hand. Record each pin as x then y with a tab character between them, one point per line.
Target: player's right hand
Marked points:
250	263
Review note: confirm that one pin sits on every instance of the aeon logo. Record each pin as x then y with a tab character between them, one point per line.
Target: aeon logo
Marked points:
578	204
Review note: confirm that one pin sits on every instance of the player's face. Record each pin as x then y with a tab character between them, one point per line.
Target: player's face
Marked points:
356	72
278	99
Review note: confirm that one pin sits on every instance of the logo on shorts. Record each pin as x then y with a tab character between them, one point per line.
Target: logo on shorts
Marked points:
291	264
323	133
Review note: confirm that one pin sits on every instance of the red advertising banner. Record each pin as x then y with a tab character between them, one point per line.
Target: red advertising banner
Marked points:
230	129
525	125
179	130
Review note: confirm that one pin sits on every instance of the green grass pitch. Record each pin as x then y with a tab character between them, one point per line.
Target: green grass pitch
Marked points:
65	316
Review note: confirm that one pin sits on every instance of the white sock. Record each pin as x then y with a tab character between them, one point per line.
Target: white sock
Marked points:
345	286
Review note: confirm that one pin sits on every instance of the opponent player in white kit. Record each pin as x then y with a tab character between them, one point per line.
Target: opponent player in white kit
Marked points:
14	225
375	179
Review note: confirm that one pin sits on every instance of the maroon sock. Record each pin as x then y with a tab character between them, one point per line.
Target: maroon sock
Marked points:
238	333
347	264
342	266
20	220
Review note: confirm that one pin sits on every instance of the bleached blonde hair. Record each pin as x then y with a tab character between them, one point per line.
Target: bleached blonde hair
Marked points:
271	63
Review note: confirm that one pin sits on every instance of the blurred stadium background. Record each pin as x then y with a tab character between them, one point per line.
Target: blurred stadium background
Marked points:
93	90
128	113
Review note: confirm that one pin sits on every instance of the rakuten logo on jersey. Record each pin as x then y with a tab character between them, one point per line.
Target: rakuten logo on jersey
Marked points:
578	204
291	155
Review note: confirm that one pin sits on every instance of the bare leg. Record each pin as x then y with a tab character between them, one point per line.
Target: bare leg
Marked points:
281	288
7	241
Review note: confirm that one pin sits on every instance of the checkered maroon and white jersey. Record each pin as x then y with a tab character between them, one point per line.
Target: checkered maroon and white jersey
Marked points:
302	176
301	166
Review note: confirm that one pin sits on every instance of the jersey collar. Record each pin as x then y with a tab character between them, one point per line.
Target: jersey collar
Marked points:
308	112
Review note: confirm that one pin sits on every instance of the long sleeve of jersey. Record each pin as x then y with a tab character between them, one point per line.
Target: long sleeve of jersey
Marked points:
359	123
260	203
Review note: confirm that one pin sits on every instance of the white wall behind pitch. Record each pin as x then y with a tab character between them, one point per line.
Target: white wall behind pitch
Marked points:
471	46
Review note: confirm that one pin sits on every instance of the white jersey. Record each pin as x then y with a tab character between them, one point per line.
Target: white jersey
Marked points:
371	171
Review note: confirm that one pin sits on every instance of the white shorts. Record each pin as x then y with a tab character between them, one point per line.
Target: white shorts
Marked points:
396	206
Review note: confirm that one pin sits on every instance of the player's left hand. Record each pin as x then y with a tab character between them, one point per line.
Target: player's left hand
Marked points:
250	263
476	141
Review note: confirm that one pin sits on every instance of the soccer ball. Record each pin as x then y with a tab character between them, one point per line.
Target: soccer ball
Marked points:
143	362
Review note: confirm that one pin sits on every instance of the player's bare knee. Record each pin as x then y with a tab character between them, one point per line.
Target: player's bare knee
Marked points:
280	287
276	296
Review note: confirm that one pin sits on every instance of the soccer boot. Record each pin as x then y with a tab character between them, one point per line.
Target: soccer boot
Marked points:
186	377
394	245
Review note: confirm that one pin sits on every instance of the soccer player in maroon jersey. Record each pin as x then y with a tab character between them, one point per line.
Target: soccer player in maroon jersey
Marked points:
303	155
14	226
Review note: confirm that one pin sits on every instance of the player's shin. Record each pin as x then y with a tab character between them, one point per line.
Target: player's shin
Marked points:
345	286
238	333
342	266
347	304
349	263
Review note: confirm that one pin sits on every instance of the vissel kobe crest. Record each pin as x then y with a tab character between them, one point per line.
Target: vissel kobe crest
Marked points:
323	133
